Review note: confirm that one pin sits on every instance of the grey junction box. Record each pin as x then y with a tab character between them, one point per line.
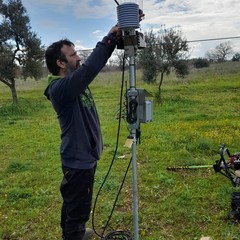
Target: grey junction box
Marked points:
145	107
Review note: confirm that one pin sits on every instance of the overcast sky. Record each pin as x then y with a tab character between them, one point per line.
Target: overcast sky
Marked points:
86	21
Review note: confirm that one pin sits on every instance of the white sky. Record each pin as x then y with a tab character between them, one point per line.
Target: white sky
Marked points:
86	21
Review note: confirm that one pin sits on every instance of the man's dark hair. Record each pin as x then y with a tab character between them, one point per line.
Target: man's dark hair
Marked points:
54	53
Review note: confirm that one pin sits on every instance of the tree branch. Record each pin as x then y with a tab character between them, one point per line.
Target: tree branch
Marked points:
5	82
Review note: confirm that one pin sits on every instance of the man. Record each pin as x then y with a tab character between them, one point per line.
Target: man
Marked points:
81	139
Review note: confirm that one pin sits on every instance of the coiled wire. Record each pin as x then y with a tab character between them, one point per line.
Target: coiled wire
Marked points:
123	235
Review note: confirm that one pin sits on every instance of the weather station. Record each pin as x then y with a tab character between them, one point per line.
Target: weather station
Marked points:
137	108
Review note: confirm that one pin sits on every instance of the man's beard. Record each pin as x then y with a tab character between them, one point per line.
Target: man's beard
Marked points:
72	68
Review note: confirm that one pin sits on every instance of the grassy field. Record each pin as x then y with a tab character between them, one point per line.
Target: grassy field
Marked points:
196	115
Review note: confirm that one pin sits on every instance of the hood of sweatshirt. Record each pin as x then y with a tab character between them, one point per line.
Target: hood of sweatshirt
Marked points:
51	78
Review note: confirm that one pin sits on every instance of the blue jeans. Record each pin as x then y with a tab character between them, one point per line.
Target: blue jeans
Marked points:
76	189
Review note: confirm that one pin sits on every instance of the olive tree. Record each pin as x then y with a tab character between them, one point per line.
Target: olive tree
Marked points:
21	53
166	50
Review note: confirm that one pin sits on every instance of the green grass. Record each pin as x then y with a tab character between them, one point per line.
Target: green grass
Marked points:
196	115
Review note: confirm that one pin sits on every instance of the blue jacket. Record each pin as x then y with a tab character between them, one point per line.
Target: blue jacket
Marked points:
81	138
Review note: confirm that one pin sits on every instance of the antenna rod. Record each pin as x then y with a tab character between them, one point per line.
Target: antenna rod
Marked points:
116	2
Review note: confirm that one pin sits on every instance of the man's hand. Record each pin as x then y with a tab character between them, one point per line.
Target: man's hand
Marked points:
141	15
116	32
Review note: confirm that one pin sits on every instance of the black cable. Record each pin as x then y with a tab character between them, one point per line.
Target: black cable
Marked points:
119	124
122	233
114	156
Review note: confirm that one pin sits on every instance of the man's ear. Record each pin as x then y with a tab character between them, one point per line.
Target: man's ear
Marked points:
61	64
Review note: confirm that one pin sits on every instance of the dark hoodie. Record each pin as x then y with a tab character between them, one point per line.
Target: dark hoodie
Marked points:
71	98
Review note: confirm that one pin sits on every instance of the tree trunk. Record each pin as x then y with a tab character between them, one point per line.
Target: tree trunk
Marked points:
12	86
14	92
160	83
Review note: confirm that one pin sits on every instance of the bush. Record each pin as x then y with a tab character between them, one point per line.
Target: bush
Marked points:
201	63
236	57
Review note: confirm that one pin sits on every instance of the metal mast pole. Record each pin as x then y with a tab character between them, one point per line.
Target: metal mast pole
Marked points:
133	127
128	21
